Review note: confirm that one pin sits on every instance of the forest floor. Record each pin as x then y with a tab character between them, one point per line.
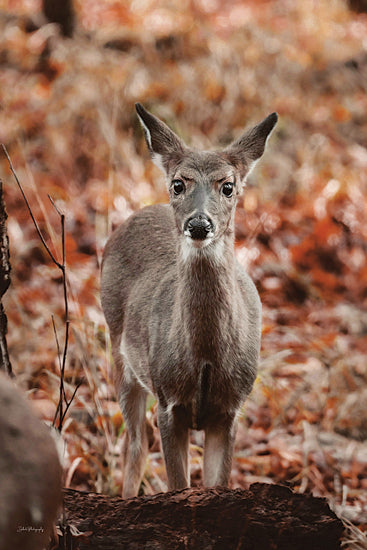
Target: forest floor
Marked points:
208	69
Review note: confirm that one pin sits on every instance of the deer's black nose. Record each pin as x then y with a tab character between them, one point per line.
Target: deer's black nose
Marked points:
199	226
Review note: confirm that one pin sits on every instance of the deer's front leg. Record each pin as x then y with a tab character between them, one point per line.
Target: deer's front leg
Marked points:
218	451
175	442
132	398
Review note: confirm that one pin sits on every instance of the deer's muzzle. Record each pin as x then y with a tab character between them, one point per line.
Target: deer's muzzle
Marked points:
199	227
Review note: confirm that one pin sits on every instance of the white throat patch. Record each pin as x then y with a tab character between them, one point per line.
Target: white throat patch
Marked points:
193	249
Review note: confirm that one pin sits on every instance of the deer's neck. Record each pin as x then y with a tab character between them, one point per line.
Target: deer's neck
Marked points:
207	294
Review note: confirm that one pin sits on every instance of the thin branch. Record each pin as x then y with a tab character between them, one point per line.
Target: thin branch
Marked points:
61	389
62	266
57	341
62	416
55	206
30	210
67	322
68	403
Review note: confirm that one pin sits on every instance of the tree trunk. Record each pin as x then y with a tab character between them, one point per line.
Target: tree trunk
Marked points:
264	517
5	364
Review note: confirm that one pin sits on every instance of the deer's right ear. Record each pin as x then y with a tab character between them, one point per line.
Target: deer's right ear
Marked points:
163	144
246	151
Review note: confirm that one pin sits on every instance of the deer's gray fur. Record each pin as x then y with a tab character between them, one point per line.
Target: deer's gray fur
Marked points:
30	474
184	316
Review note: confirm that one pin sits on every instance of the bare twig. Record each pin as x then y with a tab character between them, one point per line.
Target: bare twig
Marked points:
68	403
62	388
30	210
62	267
60	413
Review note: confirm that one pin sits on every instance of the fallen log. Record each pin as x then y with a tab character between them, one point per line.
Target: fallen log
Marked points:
263	517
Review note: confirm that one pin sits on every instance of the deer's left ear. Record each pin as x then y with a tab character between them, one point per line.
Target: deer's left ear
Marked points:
163	144
246	151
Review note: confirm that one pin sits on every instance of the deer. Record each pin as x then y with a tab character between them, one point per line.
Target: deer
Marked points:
30	474
184	317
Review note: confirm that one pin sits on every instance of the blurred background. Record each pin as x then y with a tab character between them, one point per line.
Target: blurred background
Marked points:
70	74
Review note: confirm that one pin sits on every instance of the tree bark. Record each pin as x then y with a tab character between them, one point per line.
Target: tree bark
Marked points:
264	517
5	268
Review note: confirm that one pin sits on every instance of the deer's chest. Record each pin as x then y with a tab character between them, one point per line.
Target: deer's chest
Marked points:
205	381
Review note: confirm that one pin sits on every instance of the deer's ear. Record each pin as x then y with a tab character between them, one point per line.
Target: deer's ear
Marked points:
246	151
163	144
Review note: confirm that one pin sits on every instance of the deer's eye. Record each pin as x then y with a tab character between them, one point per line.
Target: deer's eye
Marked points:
178	187
227	189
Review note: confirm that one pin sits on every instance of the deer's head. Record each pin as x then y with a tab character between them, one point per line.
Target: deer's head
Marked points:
204	185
